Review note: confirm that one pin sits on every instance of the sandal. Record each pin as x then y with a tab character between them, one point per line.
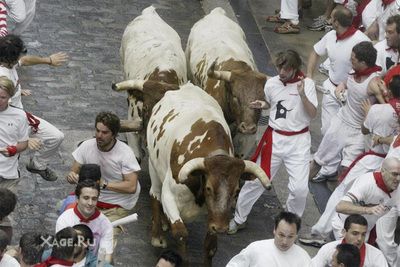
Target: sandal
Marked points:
287	28
275	19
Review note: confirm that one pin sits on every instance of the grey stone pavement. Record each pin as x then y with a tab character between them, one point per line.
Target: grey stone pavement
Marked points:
70	97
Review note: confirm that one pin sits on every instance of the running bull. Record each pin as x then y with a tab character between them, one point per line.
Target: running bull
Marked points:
192	167
150	51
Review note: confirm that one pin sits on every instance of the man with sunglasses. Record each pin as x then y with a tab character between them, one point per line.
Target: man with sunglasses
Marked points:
44	137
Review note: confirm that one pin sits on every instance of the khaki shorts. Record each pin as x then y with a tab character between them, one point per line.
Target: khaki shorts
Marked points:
116	214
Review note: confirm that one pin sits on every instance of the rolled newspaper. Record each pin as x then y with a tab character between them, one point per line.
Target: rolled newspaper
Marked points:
125	220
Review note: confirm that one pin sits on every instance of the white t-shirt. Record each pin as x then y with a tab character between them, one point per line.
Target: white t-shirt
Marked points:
373	256
287	111
352	113
13	129
381	120
101	228
113	164
365	192
8	261
339	53
386	57
12	74
265	253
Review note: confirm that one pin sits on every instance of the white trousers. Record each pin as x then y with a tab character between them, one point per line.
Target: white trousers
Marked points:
329	109
340	139
21	14
51	139
290	10
294	152
368	163
385	229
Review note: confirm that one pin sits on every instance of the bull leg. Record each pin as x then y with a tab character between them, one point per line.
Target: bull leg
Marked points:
157	235
180	234
210	248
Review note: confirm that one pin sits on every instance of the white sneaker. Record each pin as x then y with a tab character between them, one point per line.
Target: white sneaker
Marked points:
234	227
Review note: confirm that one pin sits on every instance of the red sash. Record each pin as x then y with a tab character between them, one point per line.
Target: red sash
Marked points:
385	3
359	157
82	218
52	261
266	150
349	32
33	122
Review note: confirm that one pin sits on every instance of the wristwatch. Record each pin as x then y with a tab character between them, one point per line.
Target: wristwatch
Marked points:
105	184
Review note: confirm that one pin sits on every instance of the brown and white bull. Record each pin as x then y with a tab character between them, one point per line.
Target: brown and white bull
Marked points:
220	61
192	167
151	51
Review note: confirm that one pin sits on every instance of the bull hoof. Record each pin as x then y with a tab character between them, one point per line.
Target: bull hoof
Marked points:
158	242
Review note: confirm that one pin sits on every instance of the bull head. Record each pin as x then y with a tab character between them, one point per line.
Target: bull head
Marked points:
215	181
242	86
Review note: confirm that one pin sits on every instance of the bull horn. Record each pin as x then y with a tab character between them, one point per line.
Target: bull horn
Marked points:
128	85
191	165
253	168
131	125
223	75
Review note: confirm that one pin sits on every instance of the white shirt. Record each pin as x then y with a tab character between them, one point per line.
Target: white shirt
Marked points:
339	53
113	164
8	261
386	56
381	120
264	253
101	228
373	256
352	113
394	152
287	110
13	129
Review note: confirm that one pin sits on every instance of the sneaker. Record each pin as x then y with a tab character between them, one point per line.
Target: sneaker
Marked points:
323	70
47	174
314	240
319	178
234	227
321	17
318	25
328	28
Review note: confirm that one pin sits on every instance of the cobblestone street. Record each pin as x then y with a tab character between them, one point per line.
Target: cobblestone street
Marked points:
70	96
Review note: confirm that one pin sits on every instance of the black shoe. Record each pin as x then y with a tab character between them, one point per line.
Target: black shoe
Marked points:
47	174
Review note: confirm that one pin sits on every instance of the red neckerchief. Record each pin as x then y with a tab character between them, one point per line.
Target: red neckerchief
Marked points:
380	183
357	19
51	261
385	3
362	252
82	218
297	77
366	72
396	142
395	103
349	32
